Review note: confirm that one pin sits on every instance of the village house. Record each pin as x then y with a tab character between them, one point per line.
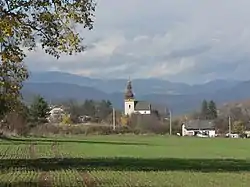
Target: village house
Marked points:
55	114
195	127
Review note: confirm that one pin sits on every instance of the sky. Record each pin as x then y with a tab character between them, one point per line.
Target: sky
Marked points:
191	41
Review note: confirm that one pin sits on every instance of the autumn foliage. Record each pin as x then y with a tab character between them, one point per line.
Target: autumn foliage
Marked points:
27	24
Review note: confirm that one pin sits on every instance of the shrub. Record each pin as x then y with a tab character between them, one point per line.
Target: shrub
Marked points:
66	119
148	124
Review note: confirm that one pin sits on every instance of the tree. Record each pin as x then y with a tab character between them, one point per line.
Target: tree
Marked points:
16	120
124	120
74	110
204	110
221	124
24	23
238	127
39	110
66	119
237	113
147	124
103	109
89	108
11	77
212	110
176	126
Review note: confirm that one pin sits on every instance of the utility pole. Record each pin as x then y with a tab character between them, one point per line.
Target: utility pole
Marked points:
170	122
229	124
168	112
113	118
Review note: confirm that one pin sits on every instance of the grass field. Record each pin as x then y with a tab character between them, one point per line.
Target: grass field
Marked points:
125	160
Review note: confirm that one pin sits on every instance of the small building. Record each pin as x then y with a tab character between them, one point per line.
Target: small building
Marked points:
195	127
84	119
247	130
56	114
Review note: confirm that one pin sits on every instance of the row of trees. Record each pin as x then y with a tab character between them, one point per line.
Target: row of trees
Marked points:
38	113
100	111
97	110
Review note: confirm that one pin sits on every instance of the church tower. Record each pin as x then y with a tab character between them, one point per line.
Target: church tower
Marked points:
129	102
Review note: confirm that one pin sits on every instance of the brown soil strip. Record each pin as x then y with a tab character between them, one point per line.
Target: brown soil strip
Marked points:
88	180
45	180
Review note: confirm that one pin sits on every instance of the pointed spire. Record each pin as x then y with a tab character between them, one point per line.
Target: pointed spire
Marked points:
129	93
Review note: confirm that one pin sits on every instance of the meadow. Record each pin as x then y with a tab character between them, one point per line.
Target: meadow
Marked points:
124	160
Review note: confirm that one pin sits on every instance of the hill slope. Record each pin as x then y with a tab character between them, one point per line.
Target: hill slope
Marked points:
140	86
181	103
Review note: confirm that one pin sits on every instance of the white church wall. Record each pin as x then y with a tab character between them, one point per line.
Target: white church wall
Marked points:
129	107
144	111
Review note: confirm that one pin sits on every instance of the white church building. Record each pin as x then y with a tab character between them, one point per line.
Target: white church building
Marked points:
132	106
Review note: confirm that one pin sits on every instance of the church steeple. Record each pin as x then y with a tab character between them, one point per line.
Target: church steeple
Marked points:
129	102
129	93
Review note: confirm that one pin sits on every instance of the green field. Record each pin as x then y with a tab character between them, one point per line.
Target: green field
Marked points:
125	160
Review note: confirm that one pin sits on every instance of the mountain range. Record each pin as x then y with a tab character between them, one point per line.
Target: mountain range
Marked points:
179	97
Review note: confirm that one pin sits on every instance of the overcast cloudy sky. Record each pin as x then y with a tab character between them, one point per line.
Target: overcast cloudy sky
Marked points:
179	40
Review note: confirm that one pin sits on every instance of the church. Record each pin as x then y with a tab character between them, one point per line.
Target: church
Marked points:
132	106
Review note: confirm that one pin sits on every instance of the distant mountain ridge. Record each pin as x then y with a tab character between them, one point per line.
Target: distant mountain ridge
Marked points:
140	86
180	97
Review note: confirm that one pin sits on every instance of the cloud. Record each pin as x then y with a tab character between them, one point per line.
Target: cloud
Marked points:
189	41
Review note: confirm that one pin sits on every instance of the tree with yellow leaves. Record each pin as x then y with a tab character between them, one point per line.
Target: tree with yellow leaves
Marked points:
66	120
238	127
124	120
25	23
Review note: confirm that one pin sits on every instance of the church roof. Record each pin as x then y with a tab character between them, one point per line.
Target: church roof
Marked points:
142	105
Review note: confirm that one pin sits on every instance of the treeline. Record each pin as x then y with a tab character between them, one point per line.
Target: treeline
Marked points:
135	124
37	119
25	117
90	110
